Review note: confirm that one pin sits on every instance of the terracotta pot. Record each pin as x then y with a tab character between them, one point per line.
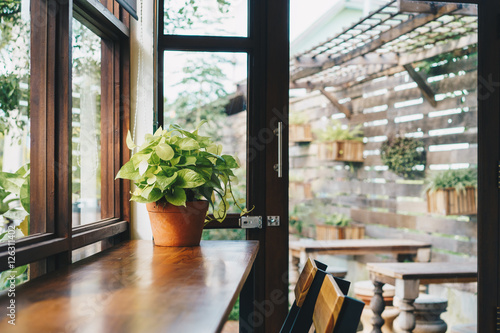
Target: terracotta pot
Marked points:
177	225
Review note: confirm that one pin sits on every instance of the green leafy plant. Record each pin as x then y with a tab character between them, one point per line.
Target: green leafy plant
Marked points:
402	155
336	219
458	179
15	195
298	118
177	166
335	131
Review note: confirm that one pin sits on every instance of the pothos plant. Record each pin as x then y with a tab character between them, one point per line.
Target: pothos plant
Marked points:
402	155
178	166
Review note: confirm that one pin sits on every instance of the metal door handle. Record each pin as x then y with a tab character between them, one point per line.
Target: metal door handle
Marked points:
279	133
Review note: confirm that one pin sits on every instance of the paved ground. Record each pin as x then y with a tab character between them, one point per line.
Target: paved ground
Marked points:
231	327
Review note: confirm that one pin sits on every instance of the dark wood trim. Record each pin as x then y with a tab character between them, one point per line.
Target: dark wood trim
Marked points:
95	225
99	19
204	43
87	237
122	187
232	221
39	105
34	252
488	157
108	110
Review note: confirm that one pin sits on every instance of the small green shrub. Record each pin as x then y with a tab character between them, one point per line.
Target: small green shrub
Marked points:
336	219
298	118
334	132
402	155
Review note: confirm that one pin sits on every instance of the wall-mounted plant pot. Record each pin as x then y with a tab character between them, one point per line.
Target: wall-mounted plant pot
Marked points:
300	133
342	150
300	190
449	201
329	232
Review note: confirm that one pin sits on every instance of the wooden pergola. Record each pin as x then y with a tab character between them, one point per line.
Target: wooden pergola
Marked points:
389	40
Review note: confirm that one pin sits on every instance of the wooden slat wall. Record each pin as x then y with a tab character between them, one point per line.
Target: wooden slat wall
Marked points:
389	205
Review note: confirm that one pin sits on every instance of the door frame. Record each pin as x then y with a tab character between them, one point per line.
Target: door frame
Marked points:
264	298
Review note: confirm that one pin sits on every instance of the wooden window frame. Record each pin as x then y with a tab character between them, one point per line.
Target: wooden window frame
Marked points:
52	238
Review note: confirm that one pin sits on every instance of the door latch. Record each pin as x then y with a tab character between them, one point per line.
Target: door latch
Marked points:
251	222
273	221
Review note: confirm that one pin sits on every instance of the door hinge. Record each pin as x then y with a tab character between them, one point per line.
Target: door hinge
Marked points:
498	175
251	222
498	319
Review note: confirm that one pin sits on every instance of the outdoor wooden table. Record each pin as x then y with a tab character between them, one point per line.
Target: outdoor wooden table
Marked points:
301	250
137	287
406	277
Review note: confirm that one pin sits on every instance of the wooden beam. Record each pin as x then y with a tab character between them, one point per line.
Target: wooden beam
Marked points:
462	46
390	58
335	102
422	85
383	38
452	45
409	6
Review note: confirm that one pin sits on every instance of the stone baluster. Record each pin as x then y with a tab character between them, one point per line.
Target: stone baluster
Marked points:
377	305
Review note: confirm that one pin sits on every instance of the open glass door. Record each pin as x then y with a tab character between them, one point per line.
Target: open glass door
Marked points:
216	63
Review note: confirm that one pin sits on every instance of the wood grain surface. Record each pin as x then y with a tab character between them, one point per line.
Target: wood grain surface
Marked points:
137	287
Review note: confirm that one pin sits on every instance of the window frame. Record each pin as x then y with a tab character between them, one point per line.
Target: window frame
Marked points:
52	238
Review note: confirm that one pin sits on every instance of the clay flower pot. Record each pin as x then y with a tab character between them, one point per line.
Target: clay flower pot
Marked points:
177	225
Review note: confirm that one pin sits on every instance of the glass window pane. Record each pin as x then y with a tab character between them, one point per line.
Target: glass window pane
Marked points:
14	127
86	121
210	86
206	18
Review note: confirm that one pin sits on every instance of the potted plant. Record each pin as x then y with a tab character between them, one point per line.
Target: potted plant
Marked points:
299	129
403	156
452	192
339	226
340	143
298	188
179	174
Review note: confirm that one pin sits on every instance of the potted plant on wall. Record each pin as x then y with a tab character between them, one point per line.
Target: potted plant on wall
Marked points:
340	143
179	174
339	226
299	128
452	192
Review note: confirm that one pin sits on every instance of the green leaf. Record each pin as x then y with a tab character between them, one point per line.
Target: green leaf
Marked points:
138	158
230	161
147	190
159	131
175	160
25	195
164	151
188	144
16	214
186	161
151	179
130	143
163	181
187	178
177	197
128	171
139	199
143	167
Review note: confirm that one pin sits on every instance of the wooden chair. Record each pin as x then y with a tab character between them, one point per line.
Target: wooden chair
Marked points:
314	284
334	311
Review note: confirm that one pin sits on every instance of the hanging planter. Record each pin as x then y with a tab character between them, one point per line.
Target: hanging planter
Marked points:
339	226
402	156
299	128
340	143
452	192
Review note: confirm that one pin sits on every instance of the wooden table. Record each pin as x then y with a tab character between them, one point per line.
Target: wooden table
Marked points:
137	287
407	277
301	250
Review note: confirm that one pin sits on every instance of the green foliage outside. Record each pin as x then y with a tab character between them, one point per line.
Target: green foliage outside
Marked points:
336	219
458	179
298	118
402	155
184	14
335	131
